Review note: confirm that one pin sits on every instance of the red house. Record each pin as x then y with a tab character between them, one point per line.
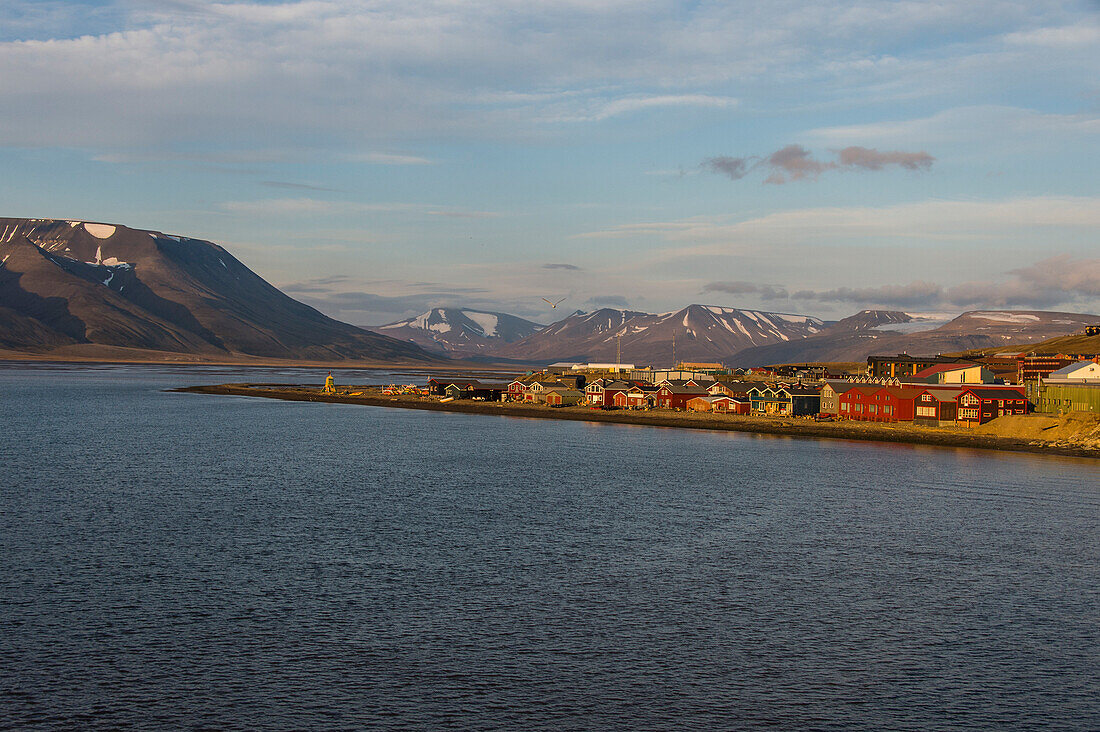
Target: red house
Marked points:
978	406
873	403
668	396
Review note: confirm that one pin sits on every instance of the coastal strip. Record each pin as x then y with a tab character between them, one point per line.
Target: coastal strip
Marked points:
791	427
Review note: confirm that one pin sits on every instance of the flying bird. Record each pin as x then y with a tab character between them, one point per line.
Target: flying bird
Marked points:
555	304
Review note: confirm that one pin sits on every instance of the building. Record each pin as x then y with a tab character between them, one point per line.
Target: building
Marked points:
779	401
953	373
721	404
937	407
1081	372
1058	398
873	403
978	406
672	396
902	365
564	397
830	395
1034	367
1092	330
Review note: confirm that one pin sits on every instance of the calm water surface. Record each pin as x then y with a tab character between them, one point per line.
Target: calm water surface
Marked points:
173	560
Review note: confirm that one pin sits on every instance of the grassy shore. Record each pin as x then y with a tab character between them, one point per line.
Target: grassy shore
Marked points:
899	432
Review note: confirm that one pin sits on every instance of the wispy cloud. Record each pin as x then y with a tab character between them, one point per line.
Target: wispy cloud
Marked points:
795	162
571	267
377	158
295	186
766	292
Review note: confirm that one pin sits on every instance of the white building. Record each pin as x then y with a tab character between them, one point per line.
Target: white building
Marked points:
1082	372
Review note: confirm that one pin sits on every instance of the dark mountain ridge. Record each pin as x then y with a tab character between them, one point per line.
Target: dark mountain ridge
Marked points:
73	283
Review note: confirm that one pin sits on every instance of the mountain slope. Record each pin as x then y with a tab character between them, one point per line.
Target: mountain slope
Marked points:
460	331
971	330
695	333
65	283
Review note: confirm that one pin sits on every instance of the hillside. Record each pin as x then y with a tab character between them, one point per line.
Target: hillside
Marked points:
75	287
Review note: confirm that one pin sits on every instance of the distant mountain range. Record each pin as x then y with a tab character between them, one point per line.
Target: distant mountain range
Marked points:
695	333
731	335
75	288
460	331
971	330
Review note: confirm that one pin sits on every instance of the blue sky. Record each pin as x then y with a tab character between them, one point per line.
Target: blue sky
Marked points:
378	158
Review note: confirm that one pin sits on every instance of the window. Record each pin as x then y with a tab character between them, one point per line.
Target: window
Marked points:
872	409
968	414
926	411
926	397
888	410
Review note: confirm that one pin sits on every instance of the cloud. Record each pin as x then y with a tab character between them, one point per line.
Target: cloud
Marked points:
795	162
571	267
464	214
933	220
968	123
608	301
376	158
766	292
914	294
605	109
1055	281
295	186
733	168
862	157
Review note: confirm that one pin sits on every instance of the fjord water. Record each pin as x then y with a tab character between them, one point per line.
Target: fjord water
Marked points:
176	560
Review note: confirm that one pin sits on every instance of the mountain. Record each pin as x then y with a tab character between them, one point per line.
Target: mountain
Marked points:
460	331
74	287
971	330
695	333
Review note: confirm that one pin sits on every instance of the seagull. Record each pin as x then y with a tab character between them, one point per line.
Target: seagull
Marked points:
554	304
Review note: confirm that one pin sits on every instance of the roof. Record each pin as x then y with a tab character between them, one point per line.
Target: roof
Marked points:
1069	371
997	393
567	392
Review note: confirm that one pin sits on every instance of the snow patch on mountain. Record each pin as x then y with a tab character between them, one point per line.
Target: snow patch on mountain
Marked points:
100	231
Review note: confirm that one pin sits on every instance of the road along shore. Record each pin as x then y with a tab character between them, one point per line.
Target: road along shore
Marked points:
1088	446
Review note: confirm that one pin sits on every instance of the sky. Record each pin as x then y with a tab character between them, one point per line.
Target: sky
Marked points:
377	158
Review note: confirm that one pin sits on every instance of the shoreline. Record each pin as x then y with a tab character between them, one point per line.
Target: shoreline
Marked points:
897	433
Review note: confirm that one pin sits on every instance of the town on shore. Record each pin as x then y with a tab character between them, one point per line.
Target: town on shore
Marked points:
932	391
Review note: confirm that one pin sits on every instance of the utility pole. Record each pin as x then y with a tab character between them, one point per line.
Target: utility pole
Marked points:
618	351
673	349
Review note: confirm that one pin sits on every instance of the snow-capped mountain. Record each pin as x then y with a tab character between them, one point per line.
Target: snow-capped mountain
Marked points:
695	333
460	331
77	288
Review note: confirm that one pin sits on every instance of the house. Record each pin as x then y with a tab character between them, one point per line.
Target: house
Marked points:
937	407
601	392
805	400
564	397
517	389
770	401
669	396
978	406
633	398
870	403
1081	372
720	403
729	388
953	373
830	395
